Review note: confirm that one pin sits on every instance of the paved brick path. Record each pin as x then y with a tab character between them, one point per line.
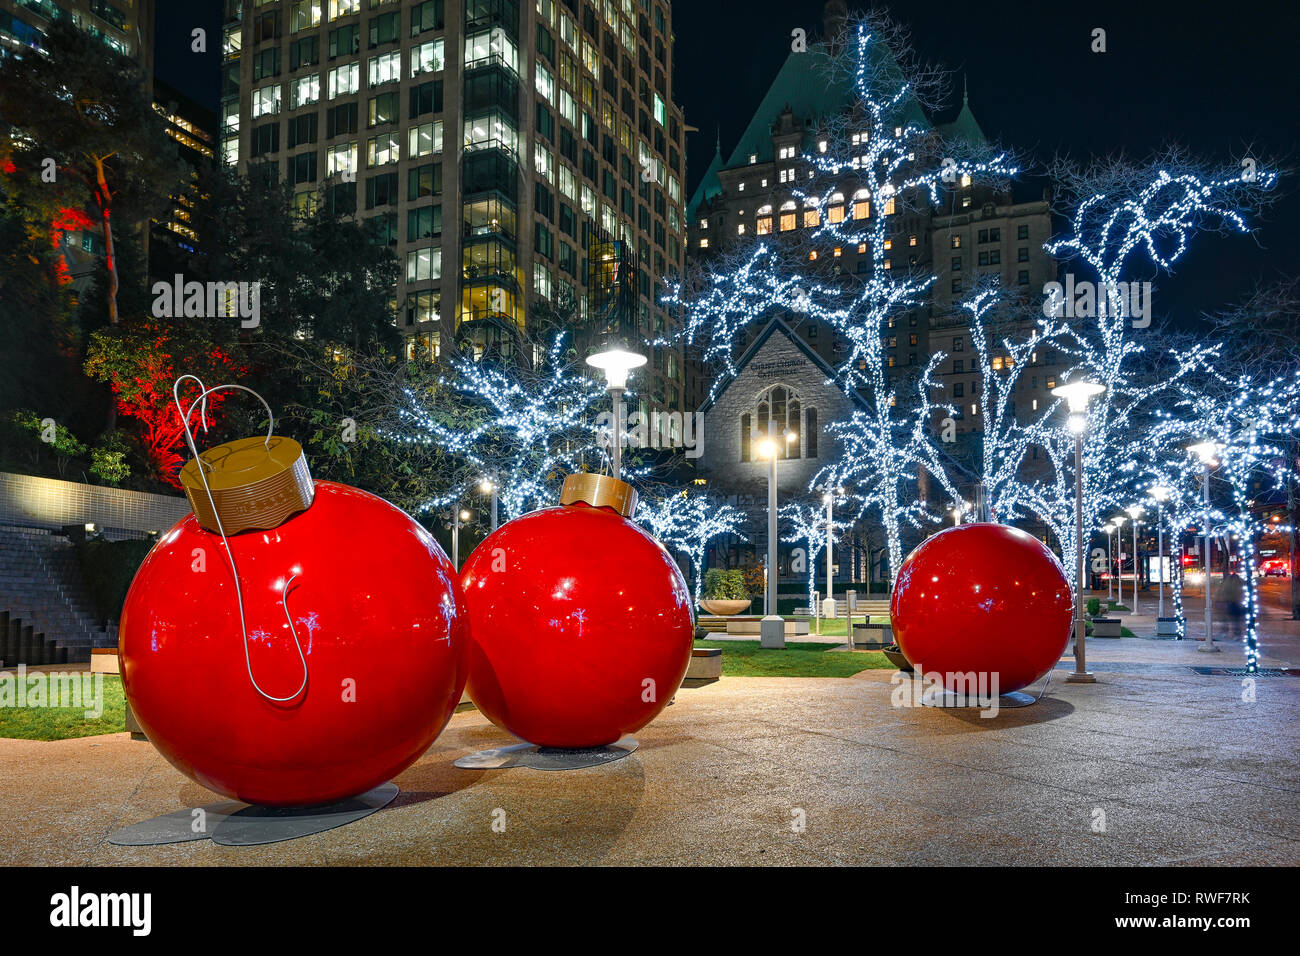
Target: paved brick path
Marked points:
1183	770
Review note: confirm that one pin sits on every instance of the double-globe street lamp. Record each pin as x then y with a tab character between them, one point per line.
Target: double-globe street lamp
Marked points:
1077	395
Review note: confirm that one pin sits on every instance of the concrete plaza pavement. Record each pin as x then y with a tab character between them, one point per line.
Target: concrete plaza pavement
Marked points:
1153	764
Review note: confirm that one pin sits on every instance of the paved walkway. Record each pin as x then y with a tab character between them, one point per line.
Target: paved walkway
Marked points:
1152	764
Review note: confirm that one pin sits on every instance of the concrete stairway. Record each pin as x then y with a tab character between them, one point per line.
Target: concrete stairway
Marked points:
42	588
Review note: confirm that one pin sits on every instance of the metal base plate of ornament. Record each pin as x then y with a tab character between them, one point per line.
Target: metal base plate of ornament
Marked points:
942	697
238	824
183	826
548	758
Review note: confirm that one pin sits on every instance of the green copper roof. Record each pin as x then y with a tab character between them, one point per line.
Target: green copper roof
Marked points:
709	186
964	127
803	84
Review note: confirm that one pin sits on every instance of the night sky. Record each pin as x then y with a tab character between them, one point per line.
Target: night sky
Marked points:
1215	77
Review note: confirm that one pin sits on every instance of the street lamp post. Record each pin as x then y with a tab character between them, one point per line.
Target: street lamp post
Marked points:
828	605
616	361
1108	530
1077	395
1119	554
488	486
1133	512
458	517
1206	451
1161	494
771	630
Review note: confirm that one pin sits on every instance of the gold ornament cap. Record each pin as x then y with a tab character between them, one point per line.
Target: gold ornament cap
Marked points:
599	491
256	483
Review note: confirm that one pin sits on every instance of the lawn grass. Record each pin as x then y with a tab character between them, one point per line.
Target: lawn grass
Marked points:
839	626
61	723
749	659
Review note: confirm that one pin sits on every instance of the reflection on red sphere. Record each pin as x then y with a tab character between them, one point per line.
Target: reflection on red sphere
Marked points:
984	598
378	611
581	626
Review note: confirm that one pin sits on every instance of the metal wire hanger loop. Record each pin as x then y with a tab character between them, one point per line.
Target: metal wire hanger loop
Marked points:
202	403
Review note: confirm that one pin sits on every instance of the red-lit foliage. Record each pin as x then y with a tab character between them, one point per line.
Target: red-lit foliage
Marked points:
67	220
141	364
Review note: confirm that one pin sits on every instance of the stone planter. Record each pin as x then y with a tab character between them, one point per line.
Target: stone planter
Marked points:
706	664
898	660
1106	627
1166	627
873	636
724	607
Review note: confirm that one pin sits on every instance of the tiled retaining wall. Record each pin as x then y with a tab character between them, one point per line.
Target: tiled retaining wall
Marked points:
48	503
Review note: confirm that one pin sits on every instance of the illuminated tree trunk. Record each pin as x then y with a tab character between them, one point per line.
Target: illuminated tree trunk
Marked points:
104	200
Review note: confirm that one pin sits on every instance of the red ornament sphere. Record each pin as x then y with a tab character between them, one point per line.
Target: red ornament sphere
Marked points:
984	598
581	626
378	611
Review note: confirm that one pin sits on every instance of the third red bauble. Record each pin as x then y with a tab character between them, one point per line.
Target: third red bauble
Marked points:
581	625
982	598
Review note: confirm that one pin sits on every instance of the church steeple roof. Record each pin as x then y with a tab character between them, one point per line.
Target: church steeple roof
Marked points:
964	127
710	185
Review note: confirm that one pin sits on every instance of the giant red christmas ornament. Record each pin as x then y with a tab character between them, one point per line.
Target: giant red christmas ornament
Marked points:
581	623
353	659
982	598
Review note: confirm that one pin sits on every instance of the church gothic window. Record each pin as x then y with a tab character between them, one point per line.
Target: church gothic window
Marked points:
777	411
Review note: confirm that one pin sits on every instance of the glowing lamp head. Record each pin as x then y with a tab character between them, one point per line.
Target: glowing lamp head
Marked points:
616	363
1119	521
464	515
1077	423
1107	529
1207	451
486	485
1078	394
1134	511
767	448
791	436
1160	492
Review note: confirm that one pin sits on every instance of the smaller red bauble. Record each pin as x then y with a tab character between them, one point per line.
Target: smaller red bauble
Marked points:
983	599
581	625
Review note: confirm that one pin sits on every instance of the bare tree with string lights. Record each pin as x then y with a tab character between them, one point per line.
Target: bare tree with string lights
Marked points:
874	161
688	522
1243	425
525	425
805	522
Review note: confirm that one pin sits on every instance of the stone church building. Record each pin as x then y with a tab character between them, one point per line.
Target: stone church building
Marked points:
782	387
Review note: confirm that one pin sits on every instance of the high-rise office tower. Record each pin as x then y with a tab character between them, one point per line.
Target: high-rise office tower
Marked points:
523	158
